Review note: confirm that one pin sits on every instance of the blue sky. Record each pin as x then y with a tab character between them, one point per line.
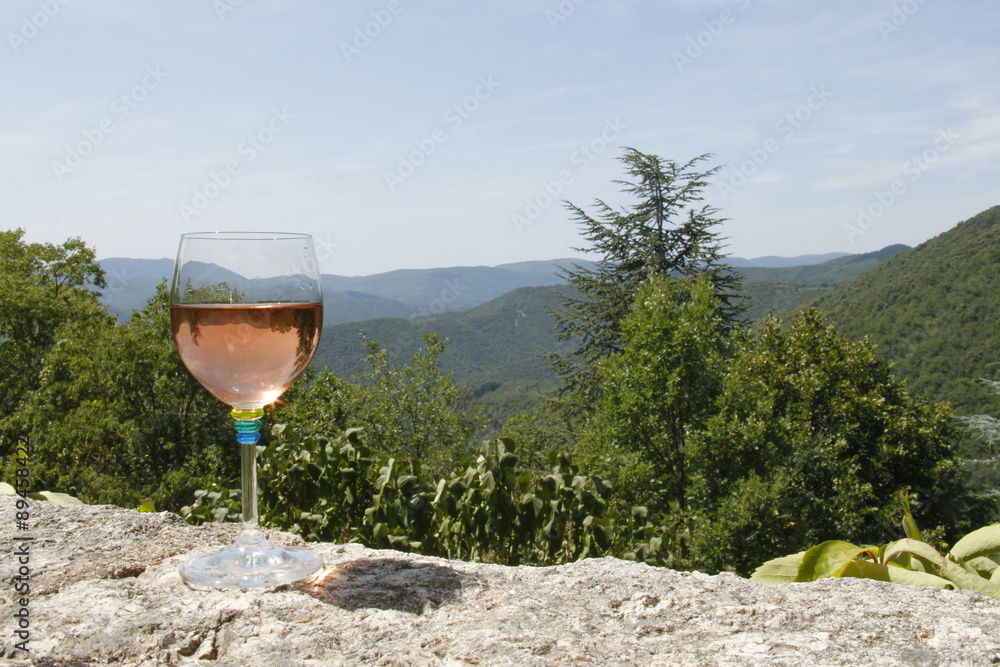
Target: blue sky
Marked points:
407	134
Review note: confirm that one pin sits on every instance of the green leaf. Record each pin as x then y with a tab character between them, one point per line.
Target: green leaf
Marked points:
901	575
978	543
146	506
7	488
824	559
982	565
940	566
909	525
781	570
57	498
863	569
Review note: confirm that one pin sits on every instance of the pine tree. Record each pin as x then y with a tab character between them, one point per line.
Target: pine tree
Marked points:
665	232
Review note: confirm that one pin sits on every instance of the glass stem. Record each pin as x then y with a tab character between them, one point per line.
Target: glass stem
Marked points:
248	434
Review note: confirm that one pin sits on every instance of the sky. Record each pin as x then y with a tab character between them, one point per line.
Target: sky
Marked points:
405	134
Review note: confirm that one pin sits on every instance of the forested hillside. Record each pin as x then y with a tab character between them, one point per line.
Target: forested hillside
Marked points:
933	312
778	289
494	349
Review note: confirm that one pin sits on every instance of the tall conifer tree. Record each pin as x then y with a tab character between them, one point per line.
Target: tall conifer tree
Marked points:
667	231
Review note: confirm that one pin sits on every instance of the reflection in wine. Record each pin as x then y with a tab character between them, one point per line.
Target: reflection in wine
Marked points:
247	354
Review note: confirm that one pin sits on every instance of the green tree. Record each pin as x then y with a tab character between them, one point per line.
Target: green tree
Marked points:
656	391
116	418
813	438
981	455
42	287
665	232
414	411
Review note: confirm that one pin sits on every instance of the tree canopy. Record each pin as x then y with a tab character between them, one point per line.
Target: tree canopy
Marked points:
42	287
665	231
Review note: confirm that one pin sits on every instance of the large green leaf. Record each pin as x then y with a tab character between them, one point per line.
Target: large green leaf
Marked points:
982	565
57	498
978	543
940	566
901	575
826	558
779	570
7	488
863	569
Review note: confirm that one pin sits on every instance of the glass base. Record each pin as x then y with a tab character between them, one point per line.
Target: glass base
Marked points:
251	561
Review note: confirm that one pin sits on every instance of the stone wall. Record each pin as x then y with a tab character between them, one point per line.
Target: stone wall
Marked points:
105	590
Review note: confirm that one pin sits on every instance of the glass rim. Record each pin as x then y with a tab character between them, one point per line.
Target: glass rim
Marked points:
246	236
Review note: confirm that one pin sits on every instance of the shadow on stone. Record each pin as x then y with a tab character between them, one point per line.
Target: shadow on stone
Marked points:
385	583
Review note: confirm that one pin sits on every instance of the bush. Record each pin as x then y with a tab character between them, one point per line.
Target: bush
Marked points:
332	488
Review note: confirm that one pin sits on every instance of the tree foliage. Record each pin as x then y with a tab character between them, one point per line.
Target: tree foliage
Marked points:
116	418
812	437
762	443
414	410
42	287
664	232
657	390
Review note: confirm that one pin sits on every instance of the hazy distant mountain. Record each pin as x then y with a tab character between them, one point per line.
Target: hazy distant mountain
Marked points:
123	267
412	293
773	261
404	293
434	291
776	289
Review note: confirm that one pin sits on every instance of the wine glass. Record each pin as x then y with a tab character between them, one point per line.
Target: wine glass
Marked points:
247	311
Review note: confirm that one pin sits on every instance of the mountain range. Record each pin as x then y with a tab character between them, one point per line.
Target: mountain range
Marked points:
495	349
402	293
931	311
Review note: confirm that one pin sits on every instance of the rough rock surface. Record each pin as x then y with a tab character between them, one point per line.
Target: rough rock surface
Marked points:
105	590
